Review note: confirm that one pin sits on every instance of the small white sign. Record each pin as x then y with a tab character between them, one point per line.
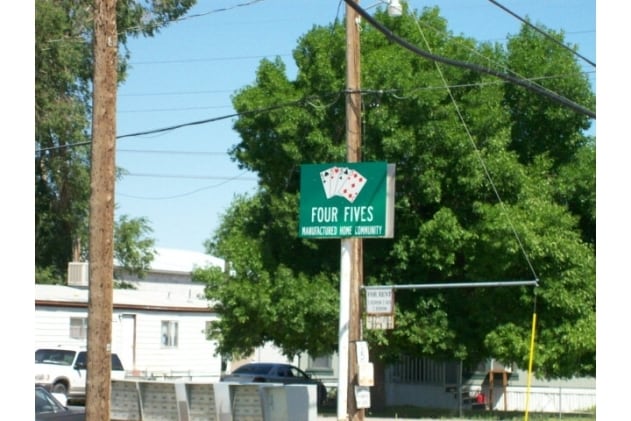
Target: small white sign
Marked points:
362	396
379	301
362	352
382	322
365	374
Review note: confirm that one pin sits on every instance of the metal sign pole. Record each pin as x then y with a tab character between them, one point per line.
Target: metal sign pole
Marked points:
345	289
455	285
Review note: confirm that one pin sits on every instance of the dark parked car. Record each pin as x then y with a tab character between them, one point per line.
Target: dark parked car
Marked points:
274	373
48	408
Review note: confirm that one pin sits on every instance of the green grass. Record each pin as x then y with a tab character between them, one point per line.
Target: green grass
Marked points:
438	414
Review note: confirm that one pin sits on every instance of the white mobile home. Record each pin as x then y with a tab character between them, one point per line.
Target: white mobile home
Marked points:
158	328
437	384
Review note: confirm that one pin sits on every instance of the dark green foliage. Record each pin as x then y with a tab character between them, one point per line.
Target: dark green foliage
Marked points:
454	161
63	100
541	127
133	248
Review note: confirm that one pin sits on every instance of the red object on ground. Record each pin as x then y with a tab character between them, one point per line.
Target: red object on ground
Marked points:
480	398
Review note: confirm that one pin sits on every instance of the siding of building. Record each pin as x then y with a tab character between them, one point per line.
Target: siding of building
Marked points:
52	326
165	294
141	349
192	357
433	384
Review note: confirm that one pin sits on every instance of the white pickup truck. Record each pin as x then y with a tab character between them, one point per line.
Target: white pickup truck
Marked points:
63	370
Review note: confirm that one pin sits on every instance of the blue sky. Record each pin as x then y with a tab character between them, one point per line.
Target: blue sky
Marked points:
182	180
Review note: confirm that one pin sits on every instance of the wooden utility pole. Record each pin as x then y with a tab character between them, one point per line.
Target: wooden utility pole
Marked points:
102	182
354	245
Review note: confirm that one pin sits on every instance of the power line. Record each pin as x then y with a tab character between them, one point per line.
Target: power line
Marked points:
192	177
189	193
189	124
545	34
154	151
304	101
210	120
477	53
177	93
162	110
201	60
481	159
363	91
79	38
223	9
177	126
471	66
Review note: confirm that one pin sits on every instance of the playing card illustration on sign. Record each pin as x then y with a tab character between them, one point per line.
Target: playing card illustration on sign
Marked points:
343	182
329	177
353	183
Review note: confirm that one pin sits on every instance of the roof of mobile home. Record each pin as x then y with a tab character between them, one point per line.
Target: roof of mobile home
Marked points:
188	296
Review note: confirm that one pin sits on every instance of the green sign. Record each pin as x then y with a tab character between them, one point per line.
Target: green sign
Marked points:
341	200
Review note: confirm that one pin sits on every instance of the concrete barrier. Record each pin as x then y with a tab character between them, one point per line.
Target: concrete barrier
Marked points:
151	400
125	401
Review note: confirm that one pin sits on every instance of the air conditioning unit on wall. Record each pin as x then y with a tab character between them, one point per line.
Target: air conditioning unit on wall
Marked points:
78	274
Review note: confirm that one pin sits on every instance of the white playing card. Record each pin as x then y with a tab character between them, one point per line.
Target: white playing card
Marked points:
345	178
328	178
340	179
353	184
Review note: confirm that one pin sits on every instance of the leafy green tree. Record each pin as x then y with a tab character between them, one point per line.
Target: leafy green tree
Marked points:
558	71
63	95
61	110
133	251
257	298
450	224
133	248
576	189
